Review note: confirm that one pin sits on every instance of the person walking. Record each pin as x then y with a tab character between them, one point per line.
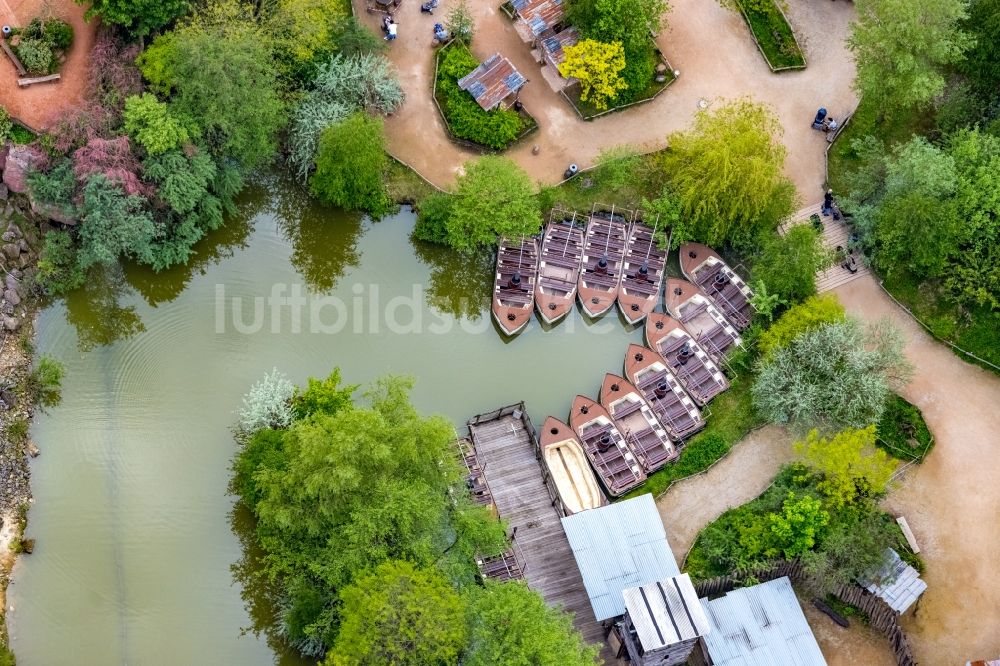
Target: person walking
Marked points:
827	203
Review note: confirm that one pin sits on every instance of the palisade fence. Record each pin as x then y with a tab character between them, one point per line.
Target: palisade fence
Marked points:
880	615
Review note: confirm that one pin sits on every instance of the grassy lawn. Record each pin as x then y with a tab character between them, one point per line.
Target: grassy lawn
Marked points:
976	330
773	33
606	186
405	186
902	432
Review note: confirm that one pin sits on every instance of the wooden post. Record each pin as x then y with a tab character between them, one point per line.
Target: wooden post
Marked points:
910	539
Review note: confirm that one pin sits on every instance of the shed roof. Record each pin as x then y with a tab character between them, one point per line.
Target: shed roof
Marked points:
897	583
492	81
553	45
760	625
539	15
666	612
619	546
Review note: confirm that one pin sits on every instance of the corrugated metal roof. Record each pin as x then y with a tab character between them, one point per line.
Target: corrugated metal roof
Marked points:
540	15
762	625
897	583
666	612
492	81
619	546
553	45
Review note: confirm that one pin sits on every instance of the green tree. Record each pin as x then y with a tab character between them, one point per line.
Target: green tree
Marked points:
399	615
727	173
799	525
837	375
628	22
323	396
493	198
113	225
149	123
219	74
354	487
853	547
59	268
788	263
982	61
850	463
137	17
511	624
460	23
305	31
597	66
901	48
798	319
351	164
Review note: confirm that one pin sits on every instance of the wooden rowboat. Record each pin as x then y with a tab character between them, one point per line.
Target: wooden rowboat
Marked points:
609	455
674	409
685	358
514	285
558	270
635	420
642	274
603	254
698	314
703	266
567	464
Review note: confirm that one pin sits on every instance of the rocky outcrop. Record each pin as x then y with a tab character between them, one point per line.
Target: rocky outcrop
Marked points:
20	161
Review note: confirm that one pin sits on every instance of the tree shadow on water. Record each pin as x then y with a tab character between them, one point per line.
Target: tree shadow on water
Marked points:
460	284
95	310
258	594
324	240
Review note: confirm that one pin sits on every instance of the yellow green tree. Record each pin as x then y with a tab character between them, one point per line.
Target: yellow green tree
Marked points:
597	66
851	465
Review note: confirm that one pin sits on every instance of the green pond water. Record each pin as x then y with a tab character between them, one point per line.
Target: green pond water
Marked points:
139	557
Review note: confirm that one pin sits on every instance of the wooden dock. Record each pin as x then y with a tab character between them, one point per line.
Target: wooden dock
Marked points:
507	446
835	233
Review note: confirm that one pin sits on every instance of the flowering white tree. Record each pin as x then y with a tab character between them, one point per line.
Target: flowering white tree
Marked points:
268	404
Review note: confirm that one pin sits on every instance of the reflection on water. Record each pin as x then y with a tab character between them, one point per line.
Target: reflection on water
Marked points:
324	240
460	285
96	310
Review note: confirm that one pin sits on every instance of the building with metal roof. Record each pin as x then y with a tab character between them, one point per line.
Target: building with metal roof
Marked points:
761	625
492	82
663	621
539	16
619	546
896	583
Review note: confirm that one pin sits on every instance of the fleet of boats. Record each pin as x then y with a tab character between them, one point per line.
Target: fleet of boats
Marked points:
644	416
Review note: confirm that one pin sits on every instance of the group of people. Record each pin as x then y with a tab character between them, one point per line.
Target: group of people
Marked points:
389	27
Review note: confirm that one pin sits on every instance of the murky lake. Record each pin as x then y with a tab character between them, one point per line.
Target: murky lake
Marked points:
139	554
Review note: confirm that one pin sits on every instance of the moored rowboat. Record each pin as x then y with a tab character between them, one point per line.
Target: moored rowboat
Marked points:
615	464
514	285
558	270
684	357
604	251
567	464
698	314
703	266
635	420
642	274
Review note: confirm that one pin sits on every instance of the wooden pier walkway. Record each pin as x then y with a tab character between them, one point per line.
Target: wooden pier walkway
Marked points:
507	447
835	233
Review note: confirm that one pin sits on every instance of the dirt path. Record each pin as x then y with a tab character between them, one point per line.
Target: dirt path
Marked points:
710	46
738	478
42	104
952	500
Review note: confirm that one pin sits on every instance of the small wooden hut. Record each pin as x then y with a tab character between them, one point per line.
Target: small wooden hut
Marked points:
494	84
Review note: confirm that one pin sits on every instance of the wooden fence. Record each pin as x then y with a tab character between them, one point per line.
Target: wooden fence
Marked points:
880	615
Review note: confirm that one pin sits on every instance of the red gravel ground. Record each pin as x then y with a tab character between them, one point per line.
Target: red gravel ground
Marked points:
40	105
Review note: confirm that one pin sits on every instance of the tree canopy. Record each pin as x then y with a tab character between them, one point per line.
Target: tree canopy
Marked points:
597	66
837	375
727	173
349	487
901	48
351	164
399	615
137	17
512	625
788	263
850	464
798	319
493	198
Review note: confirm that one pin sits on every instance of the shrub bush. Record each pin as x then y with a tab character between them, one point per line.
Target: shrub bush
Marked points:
35	55
808	315
902	431
466	119
788	264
